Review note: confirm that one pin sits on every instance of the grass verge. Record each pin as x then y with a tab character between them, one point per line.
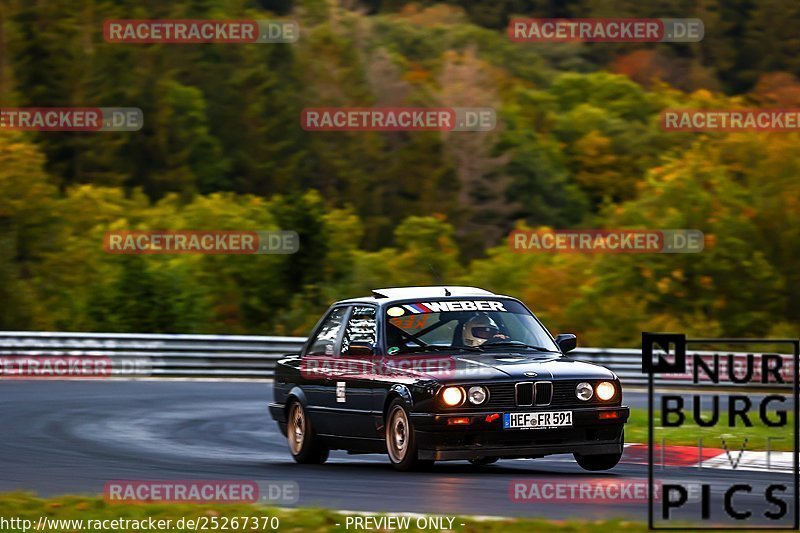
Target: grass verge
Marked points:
24	506
687	435
28	507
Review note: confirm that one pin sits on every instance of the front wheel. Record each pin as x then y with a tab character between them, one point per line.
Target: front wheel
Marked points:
303	442
594	463
483	461
605	461
401	442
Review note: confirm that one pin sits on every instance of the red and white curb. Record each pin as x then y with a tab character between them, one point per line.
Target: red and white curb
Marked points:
691	456
718	458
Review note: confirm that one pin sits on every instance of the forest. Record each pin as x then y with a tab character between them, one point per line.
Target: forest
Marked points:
578	144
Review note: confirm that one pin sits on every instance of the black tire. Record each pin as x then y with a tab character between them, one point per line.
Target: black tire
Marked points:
607	461
483	461
401	441
594	463
423	465
304	445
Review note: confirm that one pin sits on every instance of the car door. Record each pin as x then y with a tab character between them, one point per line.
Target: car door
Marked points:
351	397
318	368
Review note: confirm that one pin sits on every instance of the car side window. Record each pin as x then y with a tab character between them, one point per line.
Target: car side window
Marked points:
362	327
325	341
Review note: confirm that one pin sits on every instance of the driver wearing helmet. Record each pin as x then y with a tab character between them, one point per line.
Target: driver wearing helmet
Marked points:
479	329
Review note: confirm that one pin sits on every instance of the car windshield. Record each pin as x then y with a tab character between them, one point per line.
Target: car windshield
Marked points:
466	325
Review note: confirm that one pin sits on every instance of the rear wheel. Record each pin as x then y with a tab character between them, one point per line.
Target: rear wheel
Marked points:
401	442
303	442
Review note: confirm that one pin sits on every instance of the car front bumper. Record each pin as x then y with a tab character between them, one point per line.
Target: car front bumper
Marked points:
484	436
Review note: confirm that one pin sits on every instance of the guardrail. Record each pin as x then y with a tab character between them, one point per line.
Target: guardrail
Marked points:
242	356
160	355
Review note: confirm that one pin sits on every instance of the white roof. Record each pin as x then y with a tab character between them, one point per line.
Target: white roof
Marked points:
429	292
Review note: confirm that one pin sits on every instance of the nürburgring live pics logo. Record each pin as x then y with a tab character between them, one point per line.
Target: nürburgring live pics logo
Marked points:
759	487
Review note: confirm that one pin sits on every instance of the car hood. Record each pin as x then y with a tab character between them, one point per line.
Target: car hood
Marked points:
500	366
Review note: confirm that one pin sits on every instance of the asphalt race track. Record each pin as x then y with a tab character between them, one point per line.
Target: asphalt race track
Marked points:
74	436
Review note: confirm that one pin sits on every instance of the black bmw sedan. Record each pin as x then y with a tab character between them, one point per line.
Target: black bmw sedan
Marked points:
428	374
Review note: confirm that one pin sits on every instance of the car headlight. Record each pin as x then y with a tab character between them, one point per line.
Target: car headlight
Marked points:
453	396
606	390
584	391
477	395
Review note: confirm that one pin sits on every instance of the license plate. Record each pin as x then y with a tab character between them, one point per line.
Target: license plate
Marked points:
537	420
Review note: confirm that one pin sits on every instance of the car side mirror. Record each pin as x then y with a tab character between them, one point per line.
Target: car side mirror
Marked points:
567	342
361	349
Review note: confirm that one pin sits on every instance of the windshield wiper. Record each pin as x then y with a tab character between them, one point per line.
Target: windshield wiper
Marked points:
517	343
